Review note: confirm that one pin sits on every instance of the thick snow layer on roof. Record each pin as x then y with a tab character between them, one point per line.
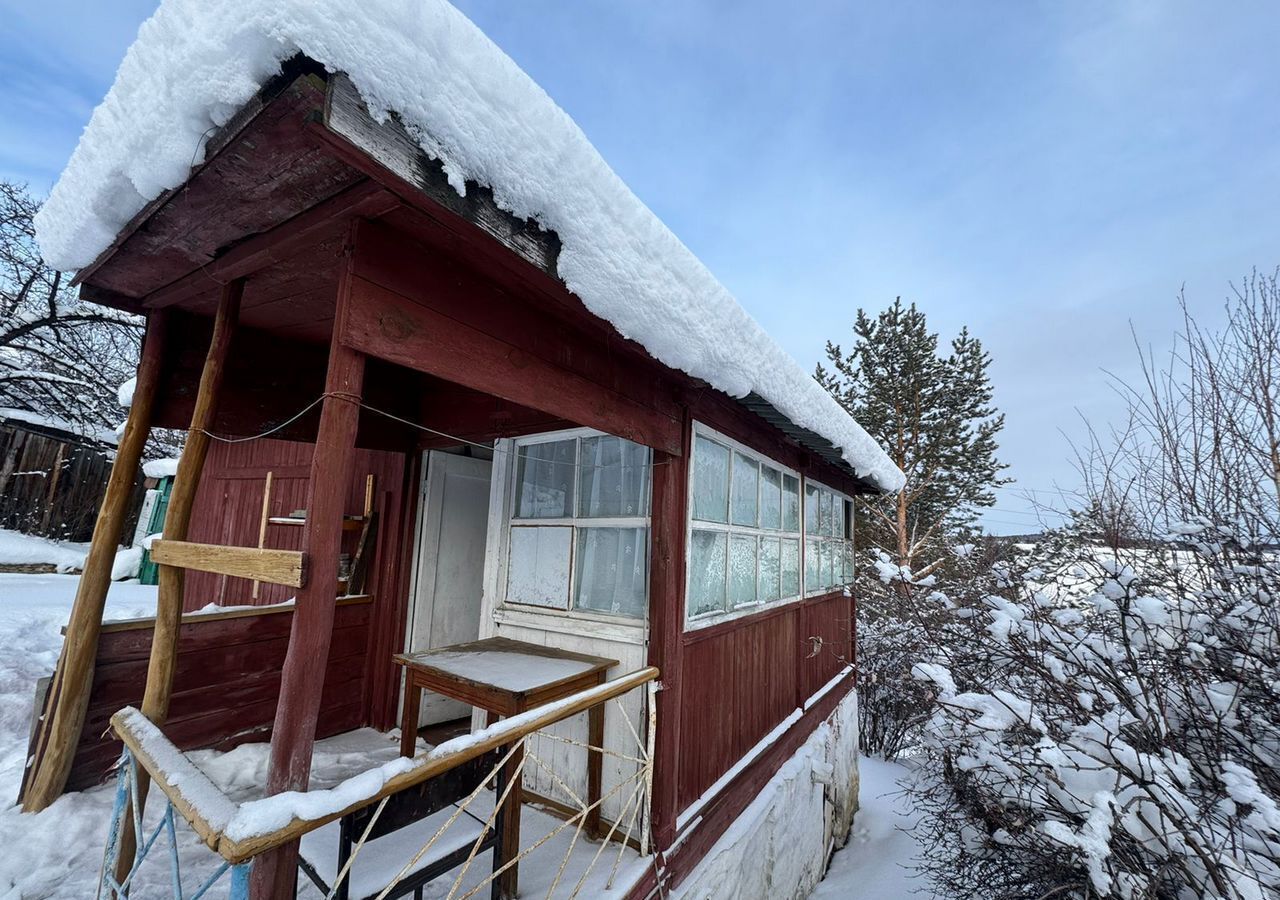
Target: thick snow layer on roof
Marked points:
195	63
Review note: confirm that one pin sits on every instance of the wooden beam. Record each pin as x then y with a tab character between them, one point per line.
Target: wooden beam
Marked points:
366	198
386	151
287	567
293	734
164	640
387	325
69	693
666	627
186	482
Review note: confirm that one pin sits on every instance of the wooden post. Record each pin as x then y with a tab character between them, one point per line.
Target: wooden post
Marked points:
666	628
69	693
177	520
293	734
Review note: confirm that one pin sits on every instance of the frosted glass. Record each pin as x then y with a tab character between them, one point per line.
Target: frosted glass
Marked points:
742	569
613	478
811	506
770	498
770	568
841	514
544	480
612	570
812	568
538	566
847	562
790	503
746	490
790	568
829	549
825	525
710	481
707	572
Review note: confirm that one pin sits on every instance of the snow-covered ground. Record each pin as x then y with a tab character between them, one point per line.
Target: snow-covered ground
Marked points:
877	862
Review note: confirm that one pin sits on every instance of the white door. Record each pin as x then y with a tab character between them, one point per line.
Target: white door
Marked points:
450	564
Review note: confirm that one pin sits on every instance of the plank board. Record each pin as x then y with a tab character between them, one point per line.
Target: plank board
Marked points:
286	567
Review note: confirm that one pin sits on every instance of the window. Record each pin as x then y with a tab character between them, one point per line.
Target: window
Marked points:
744	541
828	549
579	526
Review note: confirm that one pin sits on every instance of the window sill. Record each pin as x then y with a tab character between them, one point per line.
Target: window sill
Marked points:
578	622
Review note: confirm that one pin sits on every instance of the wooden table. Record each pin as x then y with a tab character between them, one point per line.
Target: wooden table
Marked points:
505	677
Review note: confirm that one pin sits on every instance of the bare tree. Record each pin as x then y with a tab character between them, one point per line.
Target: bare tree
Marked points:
60	358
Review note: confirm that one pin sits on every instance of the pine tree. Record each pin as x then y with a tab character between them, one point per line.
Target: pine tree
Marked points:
933	415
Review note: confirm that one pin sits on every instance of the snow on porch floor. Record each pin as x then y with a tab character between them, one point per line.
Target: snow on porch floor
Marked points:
57	853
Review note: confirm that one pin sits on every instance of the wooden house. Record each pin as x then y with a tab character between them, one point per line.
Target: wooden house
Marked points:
433	403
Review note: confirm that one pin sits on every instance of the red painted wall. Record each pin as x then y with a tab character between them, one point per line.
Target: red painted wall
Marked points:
228	509
225	686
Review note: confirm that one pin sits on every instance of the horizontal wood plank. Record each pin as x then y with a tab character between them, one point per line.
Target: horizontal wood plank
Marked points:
287	567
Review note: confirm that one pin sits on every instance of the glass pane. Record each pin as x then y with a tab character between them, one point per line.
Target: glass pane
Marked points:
770	498
746	489
538	566
812	579
742	570
790	568
847	562
790	503
613	477
611	570
706	572
842	515
829	549
825	525
770	568
544	480
810	509
710	481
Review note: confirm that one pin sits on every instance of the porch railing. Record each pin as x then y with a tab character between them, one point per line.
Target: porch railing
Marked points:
239	832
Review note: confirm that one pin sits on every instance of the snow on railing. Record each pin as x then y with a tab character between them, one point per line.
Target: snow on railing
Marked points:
240	832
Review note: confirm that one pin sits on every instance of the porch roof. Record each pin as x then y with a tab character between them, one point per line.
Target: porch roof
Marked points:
476	120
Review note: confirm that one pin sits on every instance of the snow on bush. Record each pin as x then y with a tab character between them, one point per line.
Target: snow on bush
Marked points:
1124	745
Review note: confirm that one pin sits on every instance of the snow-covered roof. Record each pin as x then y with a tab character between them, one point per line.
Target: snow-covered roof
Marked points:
195	63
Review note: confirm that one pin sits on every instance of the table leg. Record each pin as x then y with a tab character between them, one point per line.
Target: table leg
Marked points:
409	716
509	881
595	764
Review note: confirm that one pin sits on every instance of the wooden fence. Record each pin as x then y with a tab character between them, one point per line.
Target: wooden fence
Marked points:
52	484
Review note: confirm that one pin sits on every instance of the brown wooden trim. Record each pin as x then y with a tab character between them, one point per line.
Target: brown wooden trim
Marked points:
287	567
693	636
199	618
365	198
68	695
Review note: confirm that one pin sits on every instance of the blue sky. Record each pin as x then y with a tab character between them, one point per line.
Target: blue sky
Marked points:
1046	173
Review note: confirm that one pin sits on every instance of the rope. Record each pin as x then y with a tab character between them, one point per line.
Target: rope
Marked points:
356	399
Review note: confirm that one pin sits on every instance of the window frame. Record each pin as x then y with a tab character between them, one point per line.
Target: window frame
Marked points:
715	617
575	523
845	542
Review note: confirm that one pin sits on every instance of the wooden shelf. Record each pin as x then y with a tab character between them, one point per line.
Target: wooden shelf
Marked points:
349	523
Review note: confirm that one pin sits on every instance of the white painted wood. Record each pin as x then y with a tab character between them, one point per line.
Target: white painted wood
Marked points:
450	563
615	637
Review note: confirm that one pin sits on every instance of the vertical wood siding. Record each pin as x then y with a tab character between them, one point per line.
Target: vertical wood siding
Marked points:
229	506
742	678
225	686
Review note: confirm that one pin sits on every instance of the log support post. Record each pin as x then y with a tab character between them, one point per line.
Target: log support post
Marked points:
177	521
60	727
666	628
293	734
